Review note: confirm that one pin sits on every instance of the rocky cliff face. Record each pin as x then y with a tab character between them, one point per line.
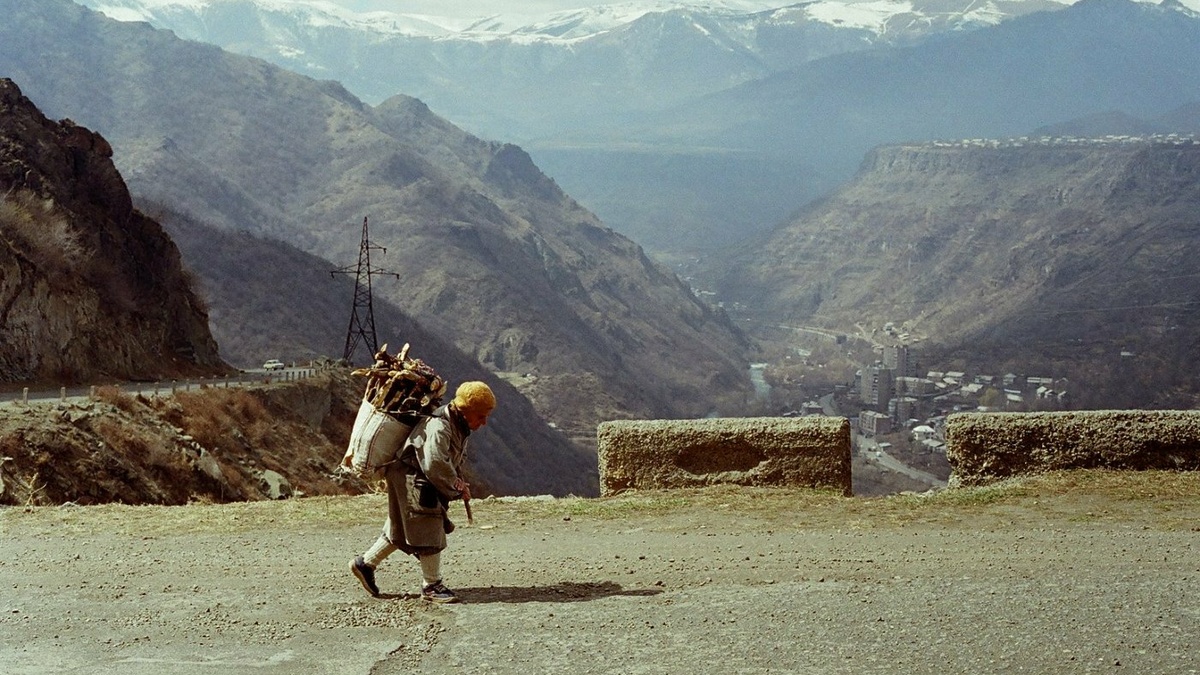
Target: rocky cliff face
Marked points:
89	287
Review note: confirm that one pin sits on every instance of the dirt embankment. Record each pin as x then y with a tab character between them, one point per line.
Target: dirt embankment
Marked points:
1068	573
209	445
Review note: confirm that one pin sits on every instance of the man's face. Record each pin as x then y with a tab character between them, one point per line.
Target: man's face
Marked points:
476	418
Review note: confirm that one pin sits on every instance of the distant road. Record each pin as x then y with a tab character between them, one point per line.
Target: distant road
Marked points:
15	396
896	465
890	462
828	406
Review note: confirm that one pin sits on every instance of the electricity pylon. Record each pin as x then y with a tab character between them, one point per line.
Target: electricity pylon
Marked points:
362	315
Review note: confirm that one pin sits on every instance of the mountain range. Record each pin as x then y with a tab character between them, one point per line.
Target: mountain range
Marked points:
995	246
490	254
689	126
624	57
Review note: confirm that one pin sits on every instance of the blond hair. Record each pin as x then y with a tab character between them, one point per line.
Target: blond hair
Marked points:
474	396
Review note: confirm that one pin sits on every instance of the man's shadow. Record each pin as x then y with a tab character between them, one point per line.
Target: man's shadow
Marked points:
564	591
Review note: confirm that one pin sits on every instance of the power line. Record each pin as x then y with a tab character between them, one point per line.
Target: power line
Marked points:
362	313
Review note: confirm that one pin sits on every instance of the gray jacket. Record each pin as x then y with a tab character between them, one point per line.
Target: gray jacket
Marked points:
421	484
437	446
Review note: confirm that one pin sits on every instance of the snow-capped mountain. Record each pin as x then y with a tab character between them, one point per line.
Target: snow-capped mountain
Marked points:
880	17
193	18
650	113
316	14
522	77
583	23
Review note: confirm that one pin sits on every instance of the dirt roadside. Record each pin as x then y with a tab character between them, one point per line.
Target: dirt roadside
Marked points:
1072	573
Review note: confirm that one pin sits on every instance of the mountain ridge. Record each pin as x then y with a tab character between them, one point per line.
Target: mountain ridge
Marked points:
321	41
691	111
600	330
570	25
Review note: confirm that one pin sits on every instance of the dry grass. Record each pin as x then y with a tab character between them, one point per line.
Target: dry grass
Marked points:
211	445
35	227
113	396
211	415
1151	499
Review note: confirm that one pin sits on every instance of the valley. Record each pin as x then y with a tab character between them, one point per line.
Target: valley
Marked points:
663	212
1031	256
1057	242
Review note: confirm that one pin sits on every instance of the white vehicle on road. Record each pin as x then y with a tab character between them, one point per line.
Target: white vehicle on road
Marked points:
273	364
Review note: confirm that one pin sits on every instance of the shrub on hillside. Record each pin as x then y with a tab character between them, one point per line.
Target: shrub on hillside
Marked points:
144	457
225	420
36	229
113	396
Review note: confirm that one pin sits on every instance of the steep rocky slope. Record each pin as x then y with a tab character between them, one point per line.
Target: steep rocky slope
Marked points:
89	287
489	250
1038	251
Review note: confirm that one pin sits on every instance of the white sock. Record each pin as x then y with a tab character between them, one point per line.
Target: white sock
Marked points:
380	550
431	568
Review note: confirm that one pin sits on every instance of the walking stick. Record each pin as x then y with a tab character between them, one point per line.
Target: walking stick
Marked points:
467	506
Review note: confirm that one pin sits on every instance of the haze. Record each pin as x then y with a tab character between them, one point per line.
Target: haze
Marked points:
481	8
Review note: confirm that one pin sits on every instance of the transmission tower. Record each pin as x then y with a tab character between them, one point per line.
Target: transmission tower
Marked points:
362	315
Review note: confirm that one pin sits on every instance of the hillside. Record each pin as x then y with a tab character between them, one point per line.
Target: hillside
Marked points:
90	288
255	318
1042	252
217	444
1067	573
490	251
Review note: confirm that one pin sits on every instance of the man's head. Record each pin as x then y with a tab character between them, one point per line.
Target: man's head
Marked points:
475	401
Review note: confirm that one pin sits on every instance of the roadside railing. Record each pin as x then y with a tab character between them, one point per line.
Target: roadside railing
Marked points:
63	395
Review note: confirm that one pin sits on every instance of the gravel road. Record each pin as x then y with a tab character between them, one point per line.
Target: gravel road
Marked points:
724	582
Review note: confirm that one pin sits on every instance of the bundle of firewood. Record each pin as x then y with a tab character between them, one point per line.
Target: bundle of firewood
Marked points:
398	384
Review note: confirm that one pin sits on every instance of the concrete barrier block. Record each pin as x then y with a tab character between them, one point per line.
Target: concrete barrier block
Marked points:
762	451
985	447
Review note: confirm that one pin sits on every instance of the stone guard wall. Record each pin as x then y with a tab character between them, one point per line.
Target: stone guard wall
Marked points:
985	447
776	451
